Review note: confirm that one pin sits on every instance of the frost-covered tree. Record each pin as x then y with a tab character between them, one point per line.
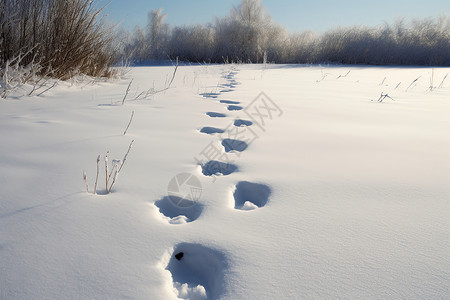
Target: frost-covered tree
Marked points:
139	48
192	43
157	33
151	41
242	35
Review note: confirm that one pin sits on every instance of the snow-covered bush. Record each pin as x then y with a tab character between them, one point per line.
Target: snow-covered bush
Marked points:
421	42
60	39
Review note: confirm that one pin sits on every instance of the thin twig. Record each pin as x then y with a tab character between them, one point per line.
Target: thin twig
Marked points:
98	171
384	96
431	80
442	83
415	80
174	73
120	168
341	76
54	84
126	93
106	170
126	155
152	91
85	181
129	123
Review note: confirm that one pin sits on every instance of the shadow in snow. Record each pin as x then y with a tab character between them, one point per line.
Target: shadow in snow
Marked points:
234	145
210	95
216	115
239	123
179	214
214	167
229	102
234	107
198	272
211	130
249	196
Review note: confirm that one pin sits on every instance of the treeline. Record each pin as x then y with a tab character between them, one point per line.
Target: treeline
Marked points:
249	35
62	39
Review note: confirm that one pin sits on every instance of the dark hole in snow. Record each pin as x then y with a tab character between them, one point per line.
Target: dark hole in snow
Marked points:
239	123
255	193
199	265
216	167
179	256
234	145
234	107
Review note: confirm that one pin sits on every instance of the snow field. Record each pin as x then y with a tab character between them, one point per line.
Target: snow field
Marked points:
335	196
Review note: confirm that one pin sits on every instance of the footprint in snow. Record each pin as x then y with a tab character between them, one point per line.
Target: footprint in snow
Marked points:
210	95
230	86
178	214
198	272
229	102
216	115
234	145
211	130
250	196
234	107
240	123
214	167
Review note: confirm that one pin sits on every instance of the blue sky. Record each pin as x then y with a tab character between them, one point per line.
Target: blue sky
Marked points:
296	16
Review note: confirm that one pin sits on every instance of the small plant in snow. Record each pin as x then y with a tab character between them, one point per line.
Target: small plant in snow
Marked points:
111	171
384	97
343	76
442	82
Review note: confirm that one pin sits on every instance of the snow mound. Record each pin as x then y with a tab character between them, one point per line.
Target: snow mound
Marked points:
185	292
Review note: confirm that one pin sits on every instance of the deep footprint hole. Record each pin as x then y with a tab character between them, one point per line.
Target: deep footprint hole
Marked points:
198	272
216	115
211	130
249	195
234	145
215	167
229	102
210	95
178	214
234	107
240	123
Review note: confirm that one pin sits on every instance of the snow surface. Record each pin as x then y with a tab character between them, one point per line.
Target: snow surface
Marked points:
358	193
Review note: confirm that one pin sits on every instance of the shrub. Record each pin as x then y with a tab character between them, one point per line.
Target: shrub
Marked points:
64	38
